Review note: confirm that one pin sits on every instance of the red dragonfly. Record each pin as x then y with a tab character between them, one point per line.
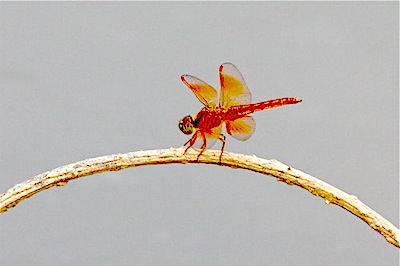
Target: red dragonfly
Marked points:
233	109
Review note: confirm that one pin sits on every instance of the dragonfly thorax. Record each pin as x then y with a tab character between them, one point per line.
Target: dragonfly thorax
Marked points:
186	125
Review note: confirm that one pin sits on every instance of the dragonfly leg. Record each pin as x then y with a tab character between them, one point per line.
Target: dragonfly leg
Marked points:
203	147
222	138
186	150
191	141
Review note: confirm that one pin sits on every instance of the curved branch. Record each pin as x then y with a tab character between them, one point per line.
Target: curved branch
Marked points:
62	175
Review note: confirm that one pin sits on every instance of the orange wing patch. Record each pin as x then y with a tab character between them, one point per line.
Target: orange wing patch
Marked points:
241	128
206	94
234	90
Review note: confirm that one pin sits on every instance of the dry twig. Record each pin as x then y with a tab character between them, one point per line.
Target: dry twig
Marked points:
62	175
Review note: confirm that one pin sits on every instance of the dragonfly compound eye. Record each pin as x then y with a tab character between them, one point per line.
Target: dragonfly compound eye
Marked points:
186	125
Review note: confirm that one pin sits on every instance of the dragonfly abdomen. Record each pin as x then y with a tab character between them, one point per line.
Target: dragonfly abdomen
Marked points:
235	112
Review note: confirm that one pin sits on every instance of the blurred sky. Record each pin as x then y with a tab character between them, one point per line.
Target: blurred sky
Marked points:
81	80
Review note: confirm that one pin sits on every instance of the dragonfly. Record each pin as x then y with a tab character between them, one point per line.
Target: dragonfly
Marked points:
233	109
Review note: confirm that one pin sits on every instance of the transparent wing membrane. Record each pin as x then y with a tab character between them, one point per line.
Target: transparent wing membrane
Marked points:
206	94
234	90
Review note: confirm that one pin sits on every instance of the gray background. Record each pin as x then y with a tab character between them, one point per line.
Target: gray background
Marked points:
81	80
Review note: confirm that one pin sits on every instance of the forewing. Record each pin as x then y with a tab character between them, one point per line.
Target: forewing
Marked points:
241	128
211	137
234	90
206	94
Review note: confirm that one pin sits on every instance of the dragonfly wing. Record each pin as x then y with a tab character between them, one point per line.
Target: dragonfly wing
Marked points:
209	136
234	90
206	94
241	128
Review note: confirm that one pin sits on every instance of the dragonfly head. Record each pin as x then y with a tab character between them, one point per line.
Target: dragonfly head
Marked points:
186	125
